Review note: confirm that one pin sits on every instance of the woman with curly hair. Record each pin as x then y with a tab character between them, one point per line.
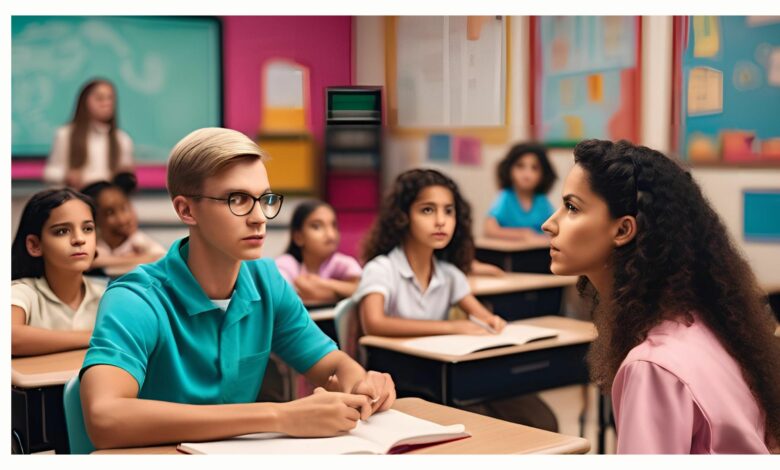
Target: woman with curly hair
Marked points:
418	248
686	342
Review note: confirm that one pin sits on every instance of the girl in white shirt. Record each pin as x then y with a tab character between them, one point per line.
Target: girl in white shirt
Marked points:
91	147
53	306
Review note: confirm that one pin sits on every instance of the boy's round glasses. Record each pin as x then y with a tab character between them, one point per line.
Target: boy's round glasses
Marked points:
241	204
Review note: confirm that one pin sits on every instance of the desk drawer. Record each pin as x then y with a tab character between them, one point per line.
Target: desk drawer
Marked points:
507	376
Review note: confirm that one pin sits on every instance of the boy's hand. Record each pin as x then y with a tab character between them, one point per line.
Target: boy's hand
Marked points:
323	414
380	390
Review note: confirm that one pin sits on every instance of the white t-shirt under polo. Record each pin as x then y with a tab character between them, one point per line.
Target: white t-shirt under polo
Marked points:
392	276
43	309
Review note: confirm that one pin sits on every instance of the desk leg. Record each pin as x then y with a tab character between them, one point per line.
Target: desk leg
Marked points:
605	421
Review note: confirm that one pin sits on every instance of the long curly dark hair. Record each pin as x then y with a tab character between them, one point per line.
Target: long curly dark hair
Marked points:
392	223
681	260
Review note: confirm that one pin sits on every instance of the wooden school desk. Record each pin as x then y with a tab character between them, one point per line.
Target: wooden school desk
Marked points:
490	374
488	435
37	414
513	255
521	295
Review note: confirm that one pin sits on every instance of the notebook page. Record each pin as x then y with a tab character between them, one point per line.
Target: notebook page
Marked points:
275	443
391	427
460	345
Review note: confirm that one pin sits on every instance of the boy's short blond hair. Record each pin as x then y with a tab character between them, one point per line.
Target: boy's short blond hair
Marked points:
204	153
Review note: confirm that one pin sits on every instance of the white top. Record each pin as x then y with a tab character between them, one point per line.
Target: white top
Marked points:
138	243
96	168
43	309
392	276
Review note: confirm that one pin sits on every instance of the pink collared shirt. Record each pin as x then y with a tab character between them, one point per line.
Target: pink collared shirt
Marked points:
339	266
680	392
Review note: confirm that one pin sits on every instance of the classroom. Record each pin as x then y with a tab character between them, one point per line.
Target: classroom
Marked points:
476	234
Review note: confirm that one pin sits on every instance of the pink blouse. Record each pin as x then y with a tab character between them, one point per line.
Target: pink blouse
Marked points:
680	392
339	266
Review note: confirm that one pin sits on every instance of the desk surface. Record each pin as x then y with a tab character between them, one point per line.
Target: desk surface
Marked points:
46	370
517	282
320	314
571	332
488	435
500	244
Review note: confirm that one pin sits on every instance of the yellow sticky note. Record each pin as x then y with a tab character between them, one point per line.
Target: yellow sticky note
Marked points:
574	127
706	36
596	88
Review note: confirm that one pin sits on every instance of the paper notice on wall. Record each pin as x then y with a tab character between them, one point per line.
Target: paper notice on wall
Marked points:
706	36
439	148
705	91
773	67
567	93
468	151
596	88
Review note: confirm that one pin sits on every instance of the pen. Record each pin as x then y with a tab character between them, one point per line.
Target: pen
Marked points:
484	325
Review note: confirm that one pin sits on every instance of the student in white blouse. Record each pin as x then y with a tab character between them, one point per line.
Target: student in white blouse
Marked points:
91	147
53	305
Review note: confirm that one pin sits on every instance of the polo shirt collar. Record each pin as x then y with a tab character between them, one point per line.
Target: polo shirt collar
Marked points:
42	285
191	295
398	258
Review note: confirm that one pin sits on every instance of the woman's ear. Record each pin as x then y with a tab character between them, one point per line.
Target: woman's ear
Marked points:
183	207
33	245
626	230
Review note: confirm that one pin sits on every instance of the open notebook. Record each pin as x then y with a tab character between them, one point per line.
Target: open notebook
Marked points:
460	345
389	432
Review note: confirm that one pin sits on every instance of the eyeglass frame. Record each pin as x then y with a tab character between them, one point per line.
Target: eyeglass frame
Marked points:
255	200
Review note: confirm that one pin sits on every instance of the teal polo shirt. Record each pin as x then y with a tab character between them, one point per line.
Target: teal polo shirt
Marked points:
157	324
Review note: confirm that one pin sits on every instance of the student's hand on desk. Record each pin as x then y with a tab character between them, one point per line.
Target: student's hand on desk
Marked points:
380	390
322	414
467	327
497	323
313	287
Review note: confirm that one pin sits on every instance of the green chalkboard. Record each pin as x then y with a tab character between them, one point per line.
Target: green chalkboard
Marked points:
167	71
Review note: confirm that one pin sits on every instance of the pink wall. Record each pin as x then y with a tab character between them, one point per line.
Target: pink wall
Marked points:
324	44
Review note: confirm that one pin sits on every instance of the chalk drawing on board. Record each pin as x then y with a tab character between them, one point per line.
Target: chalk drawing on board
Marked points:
152	76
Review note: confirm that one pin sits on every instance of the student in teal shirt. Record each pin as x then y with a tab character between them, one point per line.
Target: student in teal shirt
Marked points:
180	346
525	176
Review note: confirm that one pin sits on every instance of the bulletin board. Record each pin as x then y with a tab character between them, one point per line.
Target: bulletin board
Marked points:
167	71
585	78
727	90
448	74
